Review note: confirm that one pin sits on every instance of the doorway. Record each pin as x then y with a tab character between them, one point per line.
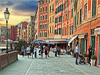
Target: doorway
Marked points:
99	52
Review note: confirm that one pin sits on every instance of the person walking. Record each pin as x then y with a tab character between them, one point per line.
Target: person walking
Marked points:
58	51
90	53
48	49
28	49
35	51
46	53
55	51
32	50
22	50
77	50
42	51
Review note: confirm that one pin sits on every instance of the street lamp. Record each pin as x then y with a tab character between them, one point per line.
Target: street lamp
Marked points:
6	14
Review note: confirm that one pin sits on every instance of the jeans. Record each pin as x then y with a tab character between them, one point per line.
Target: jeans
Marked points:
32	55
76	57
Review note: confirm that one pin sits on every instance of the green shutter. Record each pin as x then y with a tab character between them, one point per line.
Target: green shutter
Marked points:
66	17
94	8
72	12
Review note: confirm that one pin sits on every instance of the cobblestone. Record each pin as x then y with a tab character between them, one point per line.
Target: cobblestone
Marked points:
63	65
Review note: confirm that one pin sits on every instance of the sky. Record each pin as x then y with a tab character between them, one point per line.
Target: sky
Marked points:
20	10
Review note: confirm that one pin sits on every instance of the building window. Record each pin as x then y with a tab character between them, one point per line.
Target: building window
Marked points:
65	30
72	12
40	10
46	1
85	11
40	17
43	2
60	31
46	26
66	4
75	21
46	17
50	9
43	17
69	15
94	8
77	17
80	16
43	9
45	34
60	19
46	8
50	29
43	26
66	17
40	26
53	7
50	19
40	34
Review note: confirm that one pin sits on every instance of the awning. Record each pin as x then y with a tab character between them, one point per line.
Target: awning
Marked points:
47	43
67	40
72	39
38	41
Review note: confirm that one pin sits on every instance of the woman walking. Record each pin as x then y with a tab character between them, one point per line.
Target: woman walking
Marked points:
77	50
32	51
35	51
22	50
28	49
46	53
55	51
90	53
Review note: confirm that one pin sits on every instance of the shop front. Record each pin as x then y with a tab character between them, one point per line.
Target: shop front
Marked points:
97	52
82	43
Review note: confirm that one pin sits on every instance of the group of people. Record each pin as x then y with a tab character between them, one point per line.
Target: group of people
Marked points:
32	50
90	50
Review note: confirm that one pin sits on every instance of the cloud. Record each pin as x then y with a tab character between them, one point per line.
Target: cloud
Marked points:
2	19
27	6
6	3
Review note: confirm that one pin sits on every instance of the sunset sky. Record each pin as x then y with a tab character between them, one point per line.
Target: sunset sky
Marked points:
20	10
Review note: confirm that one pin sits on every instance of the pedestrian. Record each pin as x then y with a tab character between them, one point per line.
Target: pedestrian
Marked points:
58	51
32	50
46	53
55	49
42	51
35	51
28	49
77	50
48	49
90	53
22	50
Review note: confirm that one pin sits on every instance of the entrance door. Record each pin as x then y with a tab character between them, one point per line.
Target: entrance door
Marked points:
99	52
82	46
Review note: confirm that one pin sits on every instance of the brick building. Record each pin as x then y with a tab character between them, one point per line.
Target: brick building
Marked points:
43	19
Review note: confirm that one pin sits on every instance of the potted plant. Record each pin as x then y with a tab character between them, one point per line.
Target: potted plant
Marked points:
85	56
93	59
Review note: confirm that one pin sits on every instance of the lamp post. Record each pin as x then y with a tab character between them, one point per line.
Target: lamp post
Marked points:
6	14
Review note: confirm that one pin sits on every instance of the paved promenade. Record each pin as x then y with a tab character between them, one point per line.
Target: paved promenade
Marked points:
63	65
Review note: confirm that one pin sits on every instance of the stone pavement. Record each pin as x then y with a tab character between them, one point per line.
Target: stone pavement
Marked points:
63	65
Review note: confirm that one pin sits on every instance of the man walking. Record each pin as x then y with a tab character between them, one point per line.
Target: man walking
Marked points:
77	50
22	50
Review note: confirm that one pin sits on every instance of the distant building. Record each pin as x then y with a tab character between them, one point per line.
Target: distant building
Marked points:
3	34
13	36
32	28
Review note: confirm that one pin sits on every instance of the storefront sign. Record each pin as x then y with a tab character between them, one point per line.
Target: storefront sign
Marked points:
97	31
81	36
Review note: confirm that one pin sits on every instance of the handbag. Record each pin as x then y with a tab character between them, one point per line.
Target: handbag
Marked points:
30	54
